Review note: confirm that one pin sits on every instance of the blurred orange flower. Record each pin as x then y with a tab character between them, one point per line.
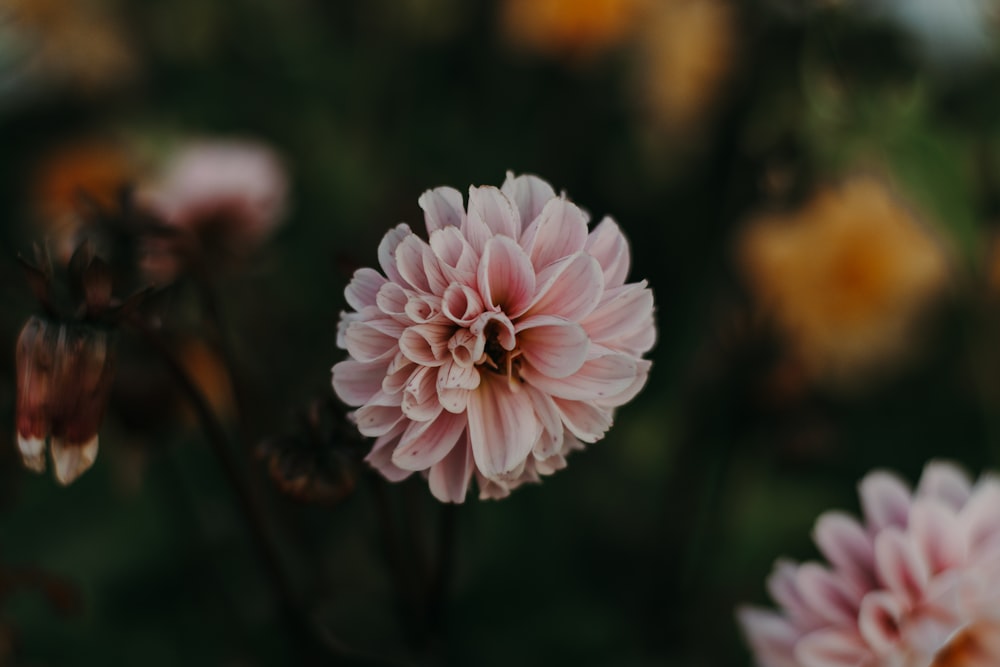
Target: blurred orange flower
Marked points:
209	374
844	276
94	170
573	29
686	50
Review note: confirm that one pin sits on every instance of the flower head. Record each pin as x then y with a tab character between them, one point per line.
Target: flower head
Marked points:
498	346
64	376
844	277
229	193
65	364
916	584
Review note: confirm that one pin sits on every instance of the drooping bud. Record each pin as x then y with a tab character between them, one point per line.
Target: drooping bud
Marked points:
64	377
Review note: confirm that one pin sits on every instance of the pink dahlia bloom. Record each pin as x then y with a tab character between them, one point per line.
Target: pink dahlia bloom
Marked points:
916	584
235	190
498	346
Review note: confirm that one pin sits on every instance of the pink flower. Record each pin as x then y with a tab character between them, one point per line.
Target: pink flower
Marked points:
234	191
499	346
916	584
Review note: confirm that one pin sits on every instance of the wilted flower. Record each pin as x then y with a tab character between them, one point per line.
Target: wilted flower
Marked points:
844	277
499	346
570	28
64	375
65	367
916	584
318	463
686	50
230	194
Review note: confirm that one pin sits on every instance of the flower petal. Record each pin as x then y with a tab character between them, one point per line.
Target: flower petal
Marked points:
529	194
880	619
783	586
901	567
452	375
410	262
827	595
420	401
938	535
425	444
502	427
391	299
597	378
387	251
772	636
442	207
32	452
457	257
946	482
461	304
586	421
607	244
71	459
426	344
506	277
560	231
831	648
847	546
361	291
550	439
552	345
380	457
885	499
642	367
449	478
620	313
980	519
366	343
491	207
570	288
379	415
356	382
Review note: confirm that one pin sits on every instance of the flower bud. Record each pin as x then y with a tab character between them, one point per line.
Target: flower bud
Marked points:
64	377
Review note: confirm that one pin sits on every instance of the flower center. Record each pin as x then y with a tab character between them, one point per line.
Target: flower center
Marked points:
500	351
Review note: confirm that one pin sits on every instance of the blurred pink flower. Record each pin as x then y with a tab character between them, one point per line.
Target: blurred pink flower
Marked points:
498	347
230	192
916	584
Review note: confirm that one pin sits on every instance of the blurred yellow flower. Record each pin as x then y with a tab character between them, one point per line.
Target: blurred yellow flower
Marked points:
686	50
573	29
844	276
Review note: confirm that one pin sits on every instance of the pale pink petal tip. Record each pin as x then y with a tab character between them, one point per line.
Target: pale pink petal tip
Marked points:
915	583
71	460
32	452
496	346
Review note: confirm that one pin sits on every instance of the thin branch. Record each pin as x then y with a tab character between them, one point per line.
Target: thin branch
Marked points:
251	508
